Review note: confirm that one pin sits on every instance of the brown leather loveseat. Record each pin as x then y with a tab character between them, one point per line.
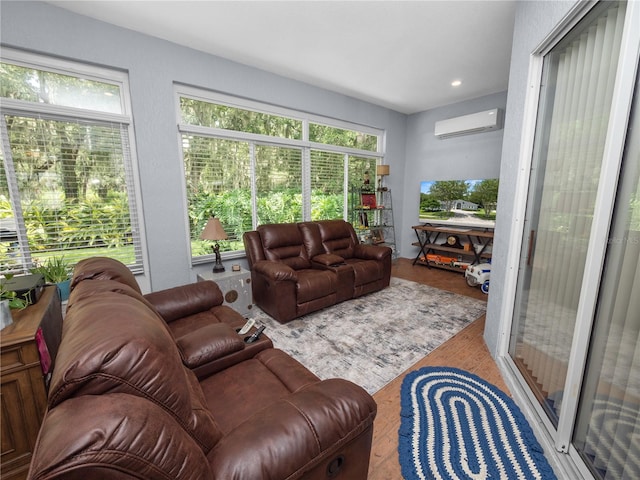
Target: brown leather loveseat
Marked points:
298	268
163	387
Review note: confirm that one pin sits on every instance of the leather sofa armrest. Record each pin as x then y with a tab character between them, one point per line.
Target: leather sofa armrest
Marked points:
371	252
275	270
328	260
185	300
209	343
315	422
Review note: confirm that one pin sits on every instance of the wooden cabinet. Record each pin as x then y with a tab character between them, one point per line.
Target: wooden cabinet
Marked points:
473	246
33	336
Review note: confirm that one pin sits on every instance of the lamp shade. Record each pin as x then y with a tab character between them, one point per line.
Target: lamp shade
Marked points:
213	230
382	170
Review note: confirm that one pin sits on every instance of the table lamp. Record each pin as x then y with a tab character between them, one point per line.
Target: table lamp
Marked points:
213	231
382	171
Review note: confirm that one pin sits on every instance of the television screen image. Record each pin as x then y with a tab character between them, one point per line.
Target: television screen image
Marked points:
459	202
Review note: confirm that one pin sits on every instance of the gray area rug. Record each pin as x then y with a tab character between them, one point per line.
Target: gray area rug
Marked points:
372	339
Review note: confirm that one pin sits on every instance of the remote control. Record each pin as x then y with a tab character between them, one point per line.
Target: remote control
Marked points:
256	335
247	326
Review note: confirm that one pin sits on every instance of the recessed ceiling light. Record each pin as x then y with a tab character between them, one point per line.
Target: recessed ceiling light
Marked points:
456	83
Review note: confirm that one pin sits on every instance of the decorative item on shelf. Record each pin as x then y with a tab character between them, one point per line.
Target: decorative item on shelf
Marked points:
382	171
364	221
213	231
366	183
21	290
9	296
453	241
5	314
368	200
377	235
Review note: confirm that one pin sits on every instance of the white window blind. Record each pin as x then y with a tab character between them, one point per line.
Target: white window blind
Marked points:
218	176
70	187
327	185
249	163
67	187
278	179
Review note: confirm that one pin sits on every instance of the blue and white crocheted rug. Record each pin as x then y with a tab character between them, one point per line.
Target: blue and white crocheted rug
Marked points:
456	426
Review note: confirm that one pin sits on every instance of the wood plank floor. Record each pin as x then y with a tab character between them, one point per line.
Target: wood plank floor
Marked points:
466	350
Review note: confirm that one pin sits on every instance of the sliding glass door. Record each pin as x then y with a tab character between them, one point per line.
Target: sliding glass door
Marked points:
574	335
607	431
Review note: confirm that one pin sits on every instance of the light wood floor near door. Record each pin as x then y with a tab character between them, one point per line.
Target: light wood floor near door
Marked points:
466	350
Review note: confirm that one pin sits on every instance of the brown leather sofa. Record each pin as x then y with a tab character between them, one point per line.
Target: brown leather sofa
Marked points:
162	387
298	268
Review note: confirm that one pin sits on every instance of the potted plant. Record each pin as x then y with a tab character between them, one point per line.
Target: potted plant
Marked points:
56	270
9	300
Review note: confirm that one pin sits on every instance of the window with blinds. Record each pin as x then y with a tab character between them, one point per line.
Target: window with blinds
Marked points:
250	164
327	185
67	184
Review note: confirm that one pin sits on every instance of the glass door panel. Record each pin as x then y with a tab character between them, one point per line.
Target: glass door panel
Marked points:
576	97
607	431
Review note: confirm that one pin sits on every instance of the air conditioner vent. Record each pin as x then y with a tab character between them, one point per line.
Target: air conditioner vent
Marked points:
468	124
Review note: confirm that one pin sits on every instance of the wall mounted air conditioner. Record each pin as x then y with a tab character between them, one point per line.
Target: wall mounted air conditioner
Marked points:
468	124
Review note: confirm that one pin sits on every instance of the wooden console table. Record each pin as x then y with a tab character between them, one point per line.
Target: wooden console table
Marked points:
477	240
35	329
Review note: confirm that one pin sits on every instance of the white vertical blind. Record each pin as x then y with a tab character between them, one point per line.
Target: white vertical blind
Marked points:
607	432
579	93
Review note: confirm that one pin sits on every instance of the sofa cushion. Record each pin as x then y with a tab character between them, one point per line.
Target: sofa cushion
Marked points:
365	271
283	243
115	343
313	284
338	237
103	268
314	425
112	435
271	372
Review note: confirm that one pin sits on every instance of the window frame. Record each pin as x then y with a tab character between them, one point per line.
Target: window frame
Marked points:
124	119
306	146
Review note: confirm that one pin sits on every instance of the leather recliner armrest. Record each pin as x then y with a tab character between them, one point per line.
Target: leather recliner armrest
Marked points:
209	343
371	252
316	421
275	270
185	300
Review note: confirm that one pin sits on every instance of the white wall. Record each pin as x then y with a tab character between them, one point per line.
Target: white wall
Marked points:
474	156
153	66
534	21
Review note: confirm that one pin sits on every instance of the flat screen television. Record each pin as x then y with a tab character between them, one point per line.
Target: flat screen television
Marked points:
469	203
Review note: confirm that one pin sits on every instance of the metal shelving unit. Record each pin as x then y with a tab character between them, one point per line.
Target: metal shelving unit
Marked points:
372	216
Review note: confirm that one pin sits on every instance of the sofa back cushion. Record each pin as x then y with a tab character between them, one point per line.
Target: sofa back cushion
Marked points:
283	243
103	268
338	237
115	436
112	342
